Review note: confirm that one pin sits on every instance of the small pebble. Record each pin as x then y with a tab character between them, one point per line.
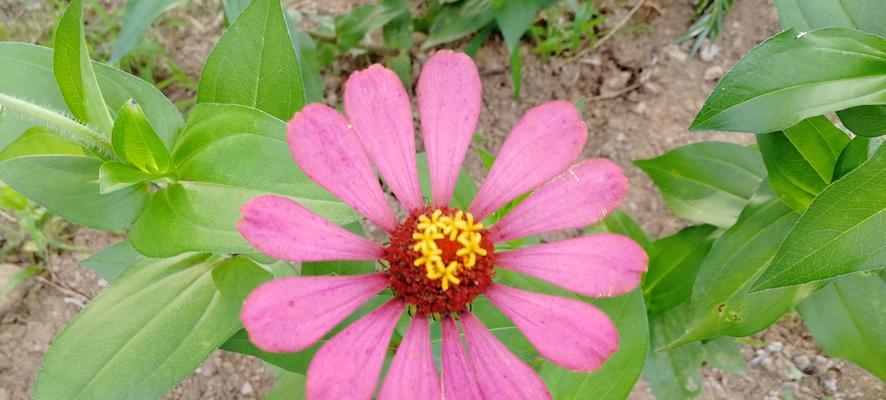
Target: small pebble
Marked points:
709	53
674	53
713	73
830	384
802	362
775	347
247	390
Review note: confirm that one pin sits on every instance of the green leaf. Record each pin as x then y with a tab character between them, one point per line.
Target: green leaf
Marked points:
672	374
137	18
148	330
516	72
306	50
867	121
226	156
254	64
402	66
514	17
59	175
724	353
115	175
791	77
853	155
397	33
136	142
465	188
74	73
26	73
20	276
350	28
618	375
11	199
721	303
458	20
620	222
841	232
708	182
801	160
233	8
847	319
111	261
289	386
673	264
806	15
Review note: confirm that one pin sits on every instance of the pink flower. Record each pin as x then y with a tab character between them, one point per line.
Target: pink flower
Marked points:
439	259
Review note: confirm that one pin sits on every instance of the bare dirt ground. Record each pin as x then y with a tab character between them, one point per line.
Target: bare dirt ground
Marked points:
641	94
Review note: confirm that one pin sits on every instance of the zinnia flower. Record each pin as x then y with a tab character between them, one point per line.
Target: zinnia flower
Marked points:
439	259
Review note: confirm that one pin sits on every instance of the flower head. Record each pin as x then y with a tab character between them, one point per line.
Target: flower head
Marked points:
438	259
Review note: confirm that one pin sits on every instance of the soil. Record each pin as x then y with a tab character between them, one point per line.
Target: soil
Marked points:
640	95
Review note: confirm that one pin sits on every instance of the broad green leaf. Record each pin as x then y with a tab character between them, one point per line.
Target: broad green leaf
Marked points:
620	222
111	261
289	386
867	121
11	199
847	318
708	182
793	76
841	232
306	50
806	15
618	375
853	155
455	21
26	73
226	156
402	66
673	264
59	175
801	160
137	18
74	73
115	175
136	142
233	8
672	374
721	303
397	33
724	353
254	64
513	18
350	28
465	188
149	330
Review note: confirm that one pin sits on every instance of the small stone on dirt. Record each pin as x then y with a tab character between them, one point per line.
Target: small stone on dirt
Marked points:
709	53
674	53
775	347
246	390
802	362
615	82
713	73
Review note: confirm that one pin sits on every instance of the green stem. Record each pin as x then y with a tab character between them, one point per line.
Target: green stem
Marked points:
81	133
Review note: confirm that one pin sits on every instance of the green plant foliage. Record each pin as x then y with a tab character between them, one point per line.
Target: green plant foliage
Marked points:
51	171
115	175
620	222
398	32
233	8
465	188
618	375
806	15
673	264
513	18
458	20
707	182
721	303
254	64
74	73
111	261
350	28
219	170
793	76
801	160
150	329
854	154
708	23
841	231
867	121
847	319
289	386
136	142
18	278
672	374
137	18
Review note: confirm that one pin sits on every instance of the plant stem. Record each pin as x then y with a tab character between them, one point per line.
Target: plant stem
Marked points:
83	134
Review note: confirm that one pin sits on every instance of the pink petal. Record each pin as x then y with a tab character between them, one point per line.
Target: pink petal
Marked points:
348	365
449	99
377	105
599	265
326	148
546	140
499	373
284	229
570	333
459	380
291	314
581	196
412	374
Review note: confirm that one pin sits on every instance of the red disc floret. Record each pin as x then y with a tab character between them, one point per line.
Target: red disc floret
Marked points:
411	283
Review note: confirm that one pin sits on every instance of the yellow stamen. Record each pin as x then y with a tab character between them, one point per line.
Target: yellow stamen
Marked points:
458	228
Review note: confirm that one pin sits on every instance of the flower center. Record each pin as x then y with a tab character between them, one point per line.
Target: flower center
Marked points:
439	260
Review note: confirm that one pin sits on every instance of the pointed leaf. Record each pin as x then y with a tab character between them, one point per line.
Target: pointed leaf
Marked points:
115	175
672	374
111	261
867	121
136	142
806	15
137	18
673	264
